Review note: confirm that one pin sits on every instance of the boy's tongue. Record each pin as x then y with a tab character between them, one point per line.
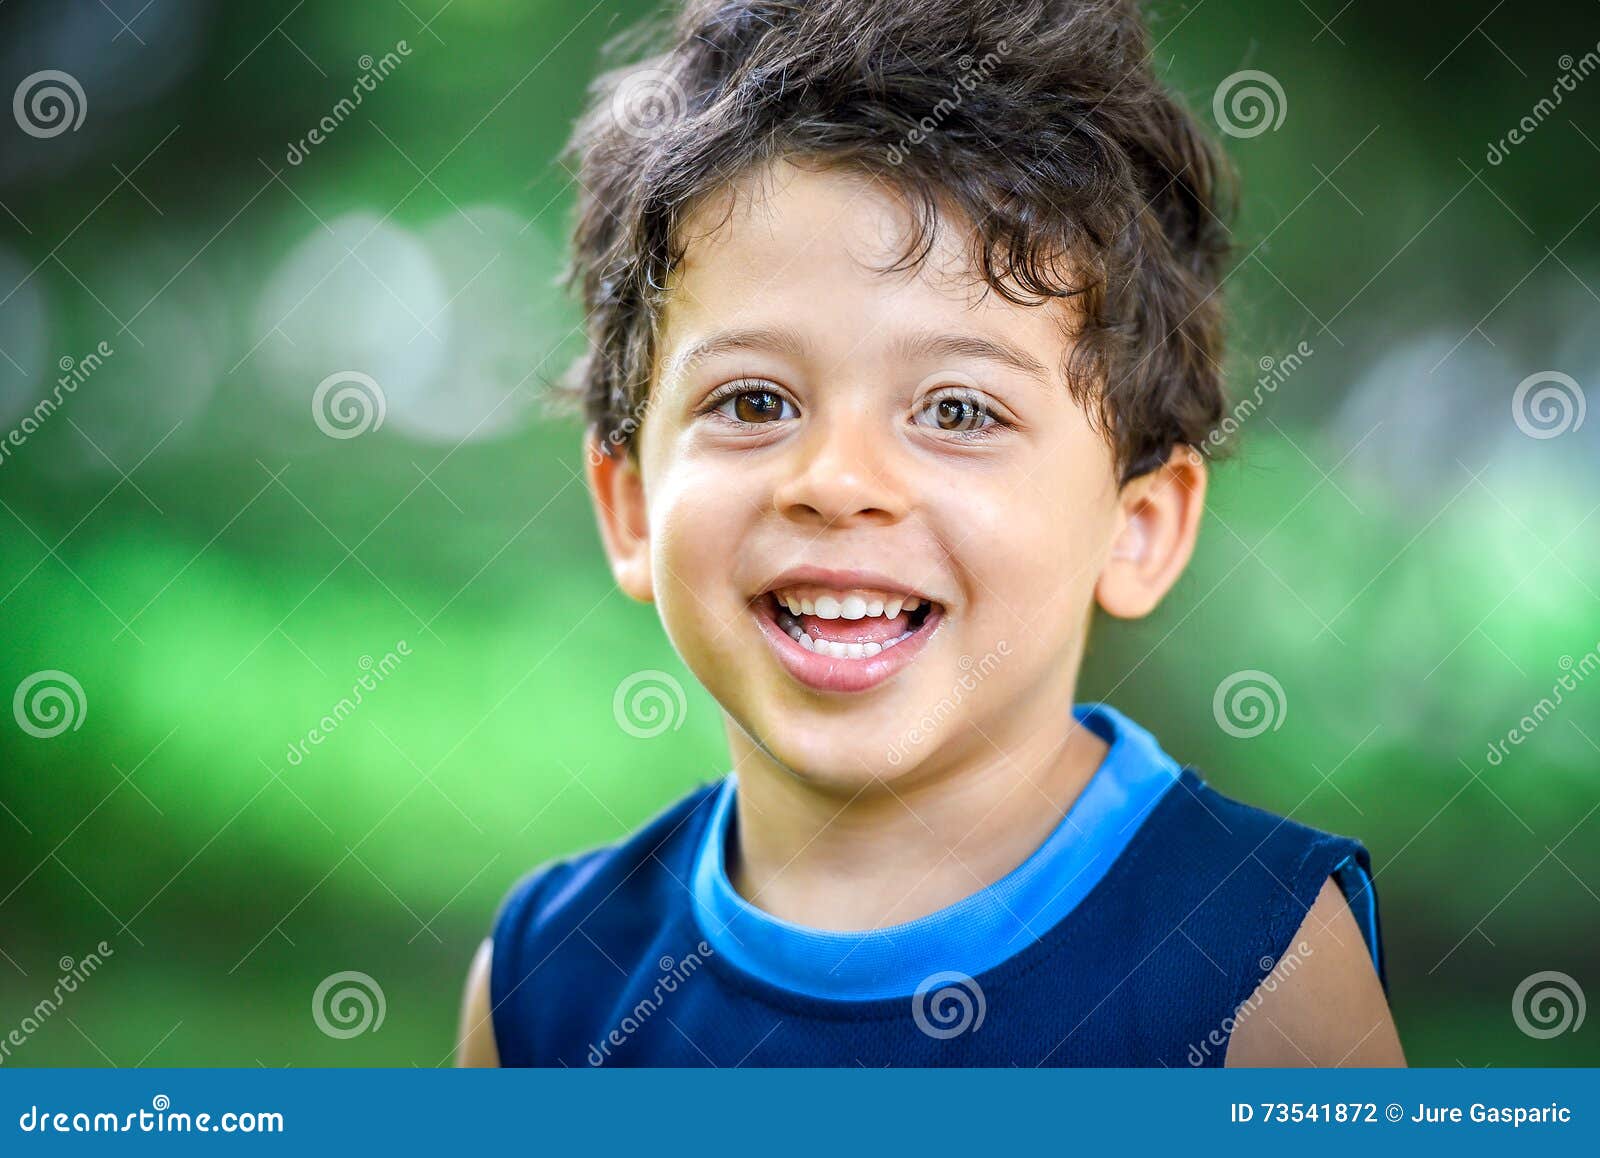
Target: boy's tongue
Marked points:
877	629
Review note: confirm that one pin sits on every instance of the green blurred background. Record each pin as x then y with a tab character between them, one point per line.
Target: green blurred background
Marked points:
1412	567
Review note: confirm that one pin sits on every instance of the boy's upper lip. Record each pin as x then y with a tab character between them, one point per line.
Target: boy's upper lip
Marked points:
844	580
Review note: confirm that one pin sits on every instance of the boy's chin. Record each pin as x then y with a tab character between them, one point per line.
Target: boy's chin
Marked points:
846	762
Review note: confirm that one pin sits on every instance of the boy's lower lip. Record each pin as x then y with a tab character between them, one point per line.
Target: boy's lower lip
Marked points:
827	674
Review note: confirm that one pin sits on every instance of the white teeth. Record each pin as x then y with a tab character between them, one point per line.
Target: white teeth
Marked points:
845	607
850	607
843	650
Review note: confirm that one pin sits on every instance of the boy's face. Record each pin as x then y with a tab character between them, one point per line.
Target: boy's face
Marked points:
837	438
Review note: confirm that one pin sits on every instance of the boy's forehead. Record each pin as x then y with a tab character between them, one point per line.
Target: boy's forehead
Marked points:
792	212
825	247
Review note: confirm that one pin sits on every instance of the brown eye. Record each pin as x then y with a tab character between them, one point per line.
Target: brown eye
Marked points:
756	407
955	413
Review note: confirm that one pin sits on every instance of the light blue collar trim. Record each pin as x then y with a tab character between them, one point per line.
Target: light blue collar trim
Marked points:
970	936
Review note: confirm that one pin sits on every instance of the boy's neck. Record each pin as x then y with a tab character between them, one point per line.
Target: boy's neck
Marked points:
895	851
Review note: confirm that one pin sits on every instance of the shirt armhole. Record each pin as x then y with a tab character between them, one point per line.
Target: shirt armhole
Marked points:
1356	885
510	1000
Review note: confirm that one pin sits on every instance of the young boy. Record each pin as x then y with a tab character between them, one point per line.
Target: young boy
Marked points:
904	326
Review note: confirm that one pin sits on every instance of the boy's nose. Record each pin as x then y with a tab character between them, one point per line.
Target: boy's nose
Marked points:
845	474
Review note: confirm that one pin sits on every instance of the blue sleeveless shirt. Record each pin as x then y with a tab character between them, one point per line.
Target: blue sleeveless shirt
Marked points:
1131	937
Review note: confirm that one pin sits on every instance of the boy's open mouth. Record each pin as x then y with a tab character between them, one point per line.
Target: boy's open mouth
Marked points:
857	624
844	639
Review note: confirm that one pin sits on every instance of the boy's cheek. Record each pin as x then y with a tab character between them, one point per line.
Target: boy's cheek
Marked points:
1034	551
693	508
695	565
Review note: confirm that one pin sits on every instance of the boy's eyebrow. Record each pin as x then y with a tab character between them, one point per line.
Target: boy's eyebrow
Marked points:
919	345
926	344
779	339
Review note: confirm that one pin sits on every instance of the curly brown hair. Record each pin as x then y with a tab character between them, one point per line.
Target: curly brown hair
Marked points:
1039	123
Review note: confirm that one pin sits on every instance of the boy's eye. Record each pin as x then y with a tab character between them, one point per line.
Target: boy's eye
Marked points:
754	407
957	413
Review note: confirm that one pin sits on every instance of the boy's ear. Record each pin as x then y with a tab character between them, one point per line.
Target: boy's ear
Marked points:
618	492
1159	518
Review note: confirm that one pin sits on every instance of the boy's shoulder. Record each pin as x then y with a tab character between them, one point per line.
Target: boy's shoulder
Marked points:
1239	865
576	939
1207	807
1192	828
1196	842
1203	834
1196	838
608	883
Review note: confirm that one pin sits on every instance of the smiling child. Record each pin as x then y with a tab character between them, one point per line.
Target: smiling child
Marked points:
904	328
